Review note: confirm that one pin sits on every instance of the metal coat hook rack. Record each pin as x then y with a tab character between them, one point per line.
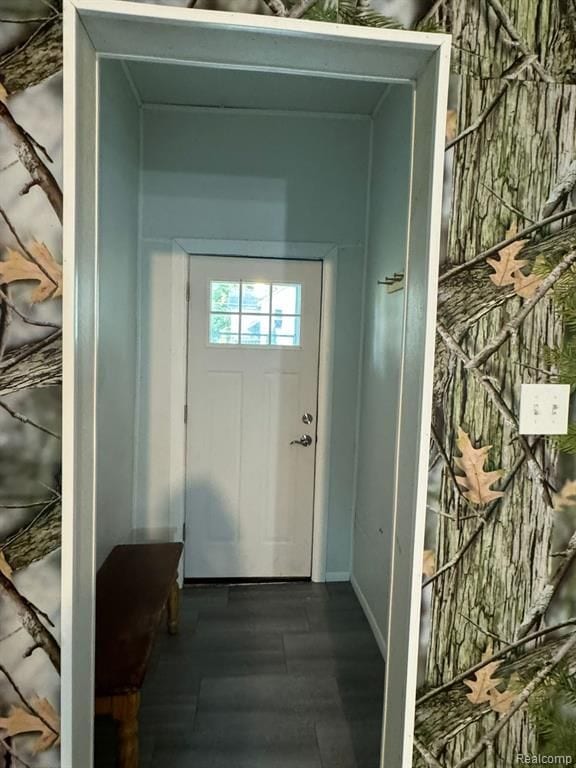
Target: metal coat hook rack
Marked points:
394	283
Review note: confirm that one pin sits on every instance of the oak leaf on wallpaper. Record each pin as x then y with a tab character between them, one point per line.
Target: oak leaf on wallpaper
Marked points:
428	563
506	265
476	480
451	124
508	268
525	285
38	265
566	497
5	566
483	689
41	719
502	701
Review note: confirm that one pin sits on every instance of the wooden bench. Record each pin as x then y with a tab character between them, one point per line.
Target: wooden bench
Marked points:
133	586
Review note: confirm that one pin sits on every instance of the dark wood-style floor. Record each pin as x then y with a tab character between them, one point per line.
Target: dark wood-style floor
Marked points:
264	676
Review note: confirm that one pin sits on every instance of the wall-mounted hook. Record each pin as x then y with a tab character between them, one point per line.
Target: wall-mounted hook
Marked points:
394	283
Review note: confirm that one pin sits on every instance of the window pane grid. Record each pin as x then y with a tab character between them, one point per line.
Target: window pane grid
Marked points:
245	313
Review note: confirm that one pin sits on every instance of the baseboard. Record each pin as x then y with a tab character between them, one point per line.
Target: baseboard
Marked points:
369	615
338	576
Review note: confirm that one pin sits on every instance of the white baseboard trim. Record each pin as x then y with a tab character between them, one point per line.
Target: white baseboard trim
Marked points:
338	576
369	615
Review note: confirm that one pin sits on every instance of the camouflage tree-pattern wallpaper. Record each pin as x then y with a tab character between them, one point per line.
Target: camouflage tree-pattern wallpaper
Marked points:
497	638
30	375
497	643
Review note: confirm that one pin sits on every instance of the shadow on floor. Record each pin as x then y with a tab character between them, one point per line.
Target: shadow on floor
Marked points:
261	676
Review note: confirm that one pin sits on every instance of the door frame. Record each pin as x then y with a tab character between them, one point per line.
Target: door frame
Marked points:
327	253
122	30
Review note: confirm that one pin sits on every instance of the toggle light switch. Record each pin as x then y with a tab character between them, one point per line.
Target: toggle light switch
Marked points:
544	409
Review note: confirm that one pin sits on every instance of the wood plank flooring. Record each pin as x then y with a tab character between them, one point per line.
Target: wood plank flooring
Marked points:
261	676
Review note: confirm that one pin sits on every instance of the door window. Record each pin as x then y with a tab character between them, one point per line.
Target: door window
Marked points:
255	314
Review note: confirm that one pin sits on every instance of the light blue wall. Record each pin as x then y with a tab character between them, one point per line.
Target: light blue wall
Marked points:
251	176
344	412
117	307
254	176
382	352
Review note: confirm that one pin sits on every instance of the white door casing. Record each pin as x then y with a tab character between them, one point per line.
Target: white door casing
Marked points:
249	491
96	28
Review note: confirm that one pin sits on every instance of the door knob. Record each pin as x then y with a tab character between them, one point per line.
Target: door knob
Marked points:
304	440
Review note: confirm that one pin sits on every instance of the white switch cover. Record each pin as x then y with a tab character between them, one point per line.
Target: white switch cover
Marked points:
544	409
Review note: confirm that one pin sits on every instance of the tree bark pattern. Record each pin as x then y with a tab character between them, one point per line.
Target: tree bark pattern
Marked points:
525	145
38	539
39	172
29	65
24	368
470	295
483	49
42	637
444	716
28	365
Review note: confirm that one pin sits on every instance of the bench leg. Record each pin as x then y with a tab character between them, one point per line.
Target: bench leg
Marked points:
124	709
173	608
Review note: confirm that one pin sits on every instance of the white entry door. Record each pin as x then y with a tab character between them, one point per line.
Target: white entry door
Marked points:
253	341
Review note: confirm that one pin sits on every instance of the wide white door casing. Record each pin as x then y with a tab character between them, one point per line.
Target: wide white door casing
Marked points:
249	491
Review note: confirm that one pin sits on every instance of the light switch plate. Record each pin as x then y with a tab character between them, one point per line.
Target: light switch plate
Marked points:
544	409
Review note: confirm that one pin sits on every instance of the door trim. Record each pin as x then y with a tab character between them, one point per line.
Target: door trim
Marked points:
327	253
420	58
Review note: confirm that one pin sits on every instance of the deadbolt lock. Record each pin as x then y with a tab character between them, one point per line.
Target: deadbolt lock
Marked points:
307	418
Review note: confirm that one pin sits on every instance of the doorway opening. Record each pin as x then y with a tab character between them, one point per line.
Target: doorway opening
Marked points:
254	154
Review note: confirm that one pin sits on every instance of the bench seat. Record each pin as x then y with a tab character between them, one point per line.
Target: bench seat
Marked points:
134	585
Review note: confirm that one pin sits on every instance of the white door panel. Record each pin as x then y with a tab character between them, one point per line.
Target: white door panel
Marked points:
282	400
254	329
